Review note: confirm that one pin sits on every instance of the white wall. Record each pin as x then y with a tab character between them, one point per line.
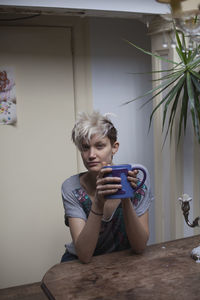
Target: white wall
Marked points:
112	62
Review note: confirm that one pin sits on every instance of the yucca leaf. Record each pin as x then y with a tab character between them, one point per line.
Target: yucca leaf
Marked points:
160	86
195	74
194	63
171	75
181	55
157	71
195	60
197	132
192	55
188	56
180	48
185	106
178	40
172	115
195	81
183	43
197	105
174	91
155	95
183	113
169	95
192	105
151	54
190	89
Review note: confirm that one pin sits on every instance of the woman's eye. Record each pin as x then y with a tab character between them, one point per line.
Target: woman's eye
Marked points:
85	147
100	146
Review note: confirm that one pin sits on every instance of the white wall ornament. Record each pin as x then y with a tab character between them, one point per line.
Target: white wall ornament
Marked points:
7	97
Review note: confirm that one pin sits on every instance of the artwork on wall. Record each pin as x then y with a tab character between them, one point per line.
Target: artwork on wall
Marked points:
7	97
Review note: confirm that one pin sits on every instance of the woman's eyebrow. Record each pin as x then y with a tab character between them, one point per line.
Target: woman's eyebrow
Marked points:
85	145
99	143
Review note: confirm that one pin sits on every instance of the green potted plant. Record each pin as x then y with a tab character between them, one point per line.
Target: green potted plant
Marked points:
182	85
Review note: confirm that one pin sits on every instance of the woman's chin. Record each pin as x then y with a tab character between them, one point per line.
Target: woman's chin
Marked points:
94	167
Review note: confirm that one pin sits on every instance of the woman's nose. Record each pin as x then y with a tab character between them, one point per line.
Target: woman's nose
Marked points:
92	153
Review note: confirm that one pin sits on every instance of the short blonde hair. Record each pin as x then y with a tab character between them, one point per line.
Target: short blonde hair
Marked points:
89	124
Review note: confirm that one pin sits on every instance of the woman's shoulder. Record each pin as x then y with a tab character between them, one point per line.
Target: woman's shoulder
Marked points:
71	183
142	167
143	196
136	165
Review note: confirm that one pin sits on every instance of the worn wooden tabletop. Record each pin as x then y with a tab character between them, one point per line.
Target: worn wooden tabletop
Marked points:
31	291
163	271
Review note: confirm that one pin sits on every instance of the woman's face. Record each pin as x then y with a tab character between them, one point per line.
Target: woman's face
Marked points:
98	153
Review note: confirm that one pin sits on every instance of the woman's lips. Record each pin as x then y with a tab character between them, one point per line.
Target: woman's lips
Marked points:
92	164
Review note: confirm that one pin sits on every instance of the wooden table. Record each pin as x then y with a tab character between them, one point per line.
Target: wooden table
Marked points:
31	291
163	271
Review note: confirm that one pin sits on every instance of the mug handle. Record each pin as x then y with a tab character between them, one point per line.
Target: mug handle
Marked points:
144	178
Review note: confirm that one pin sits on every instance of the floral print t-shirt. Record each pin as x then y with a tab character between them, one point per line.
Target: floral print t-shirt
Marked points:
112	236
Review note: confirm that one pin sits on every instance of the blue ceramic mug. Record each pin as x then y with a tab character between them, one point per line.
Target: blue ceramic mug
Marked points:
127	191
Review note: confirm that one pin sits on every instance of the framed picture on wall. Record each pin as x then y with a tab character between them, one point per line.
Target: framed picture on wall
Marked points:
7	96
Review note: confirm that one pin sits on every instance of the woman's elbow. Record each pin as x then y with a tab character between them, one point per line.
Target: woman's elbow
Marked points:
85	259
139	250
84	255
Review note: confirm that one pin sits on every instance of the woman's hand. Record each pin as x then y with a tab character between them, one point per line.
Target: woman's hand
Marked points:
106	186
132	178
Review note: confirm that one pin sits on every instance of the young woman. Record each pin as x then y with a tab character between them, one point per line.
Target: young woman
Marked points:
99	225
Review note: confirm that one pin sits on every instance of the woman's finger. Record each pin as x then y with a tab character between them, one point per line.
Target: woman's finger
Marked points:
108	180
108	187
132	178
107	192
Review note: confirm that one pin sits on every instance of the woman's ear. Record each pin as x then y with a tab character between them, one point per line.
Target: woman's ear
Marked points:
115	147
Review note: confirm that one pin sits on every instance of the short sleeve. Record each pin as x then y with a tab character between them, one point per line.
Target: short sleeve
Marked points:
143	196
71	204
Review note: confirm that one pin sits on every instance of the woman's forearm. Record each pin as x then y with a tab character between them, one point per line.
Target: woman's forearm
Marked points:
87	240
136	227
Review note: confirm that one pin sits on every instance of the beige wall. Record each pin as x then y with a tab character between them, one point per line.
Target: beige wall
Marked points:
36	155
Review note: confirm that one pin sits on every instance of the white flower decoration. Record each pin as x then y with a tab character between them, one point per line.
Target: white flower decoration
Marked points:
185	198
